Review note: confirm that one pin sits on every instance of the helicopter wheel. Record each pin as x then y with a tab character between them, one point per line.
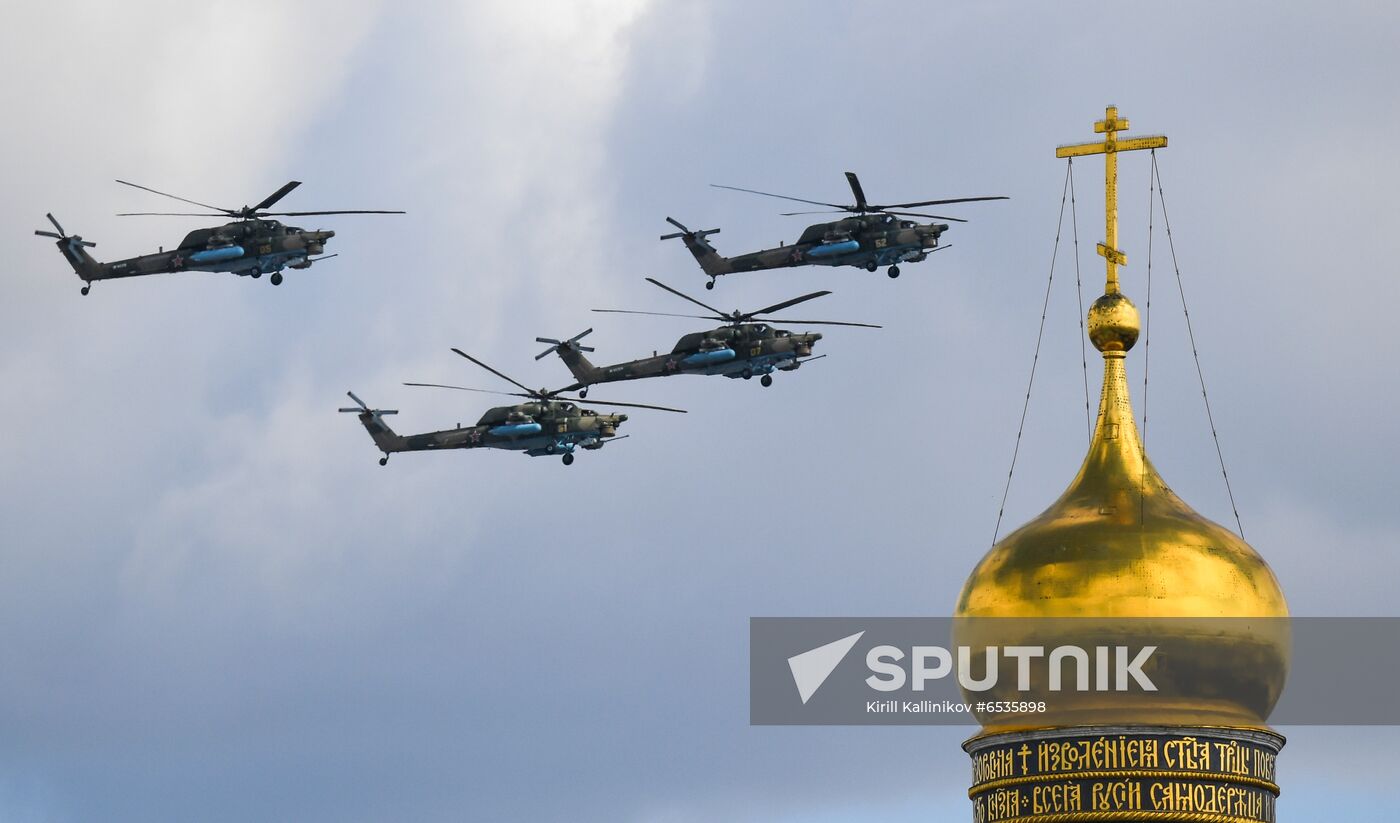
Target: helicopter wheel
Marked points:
747	374
256	274
276	278
894	272
85	290
767	380
871	266
568	460
583	392
710	285
384	461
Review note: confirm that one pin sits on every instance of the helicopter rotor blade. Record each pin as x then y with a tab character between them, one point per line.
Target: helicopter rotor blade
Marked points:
591	402
43	233
782	196
818	323
673	221
937	202
333	211
580	336
786	303
275	196
856	190
232	212
796	213
685	296
467	388
522	386
169	214
660	314
921	214
360	402
54	221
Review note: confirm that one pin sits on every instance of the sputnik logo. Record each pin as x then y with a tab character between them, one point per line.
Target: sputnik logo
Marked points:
811	668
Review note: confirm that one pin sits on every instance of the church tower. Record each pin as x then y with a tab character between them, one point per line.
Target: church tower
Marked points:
1120	561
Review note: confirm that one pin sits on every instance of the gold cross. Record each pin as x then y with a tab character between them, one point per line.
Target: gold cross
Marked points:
1109	126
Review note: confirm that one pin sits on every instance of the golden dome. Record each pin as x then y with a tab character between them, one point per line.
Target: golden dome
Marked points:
1119	546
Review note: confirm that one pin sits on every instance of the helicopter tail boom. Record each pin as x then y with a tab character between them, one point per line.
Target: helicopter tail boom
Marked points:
711	261
74	250
583	370
384	437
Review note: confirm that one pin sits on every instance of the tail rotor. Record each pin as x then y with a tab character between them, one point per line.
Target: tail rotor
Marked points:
687	233
361	408
571	344
72	247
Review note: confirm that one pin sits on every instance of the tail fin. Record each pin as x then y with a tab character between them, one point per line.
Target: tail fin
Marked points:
710	260
571	352
373	421
74	249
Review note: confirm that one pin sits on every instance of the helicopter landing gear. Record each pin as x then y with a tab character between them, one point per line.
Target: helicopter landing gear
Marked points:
893	272
568	459
871	266
85	290
583	392
255	274
766	380
384	461
710	285
276	278
747	374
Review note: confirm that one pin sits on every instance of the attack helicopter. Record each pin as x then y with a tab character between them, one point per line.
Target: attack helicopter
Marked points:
873	236
744	347
251	246
546	424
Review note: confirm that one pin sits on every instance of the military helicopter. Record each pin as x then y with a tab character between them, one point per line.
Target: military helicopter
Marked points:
743	348
872	237
251	246
547	424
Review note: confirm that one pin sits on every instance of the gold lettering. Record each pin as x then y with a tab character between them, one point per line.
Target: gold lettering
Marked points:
1003	804
1232	757
1056	797
993	765
1187	754
1264	764
1117	795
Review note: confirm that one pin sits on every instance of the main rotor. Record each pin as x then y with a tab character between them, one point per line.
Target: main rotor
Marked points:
538	395
862	206
256	212
736	317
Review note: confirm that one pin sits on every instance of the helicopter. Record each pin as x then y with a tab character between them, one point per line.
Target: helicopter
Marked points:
873	236
744	347
251	246
544	425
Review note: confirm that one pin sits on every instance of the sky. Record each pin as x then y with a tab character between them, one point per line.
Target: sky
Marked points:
215	605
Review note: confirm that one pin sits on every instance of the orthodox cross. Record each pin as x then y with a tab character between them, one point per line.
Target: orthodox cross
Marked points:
1109	126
